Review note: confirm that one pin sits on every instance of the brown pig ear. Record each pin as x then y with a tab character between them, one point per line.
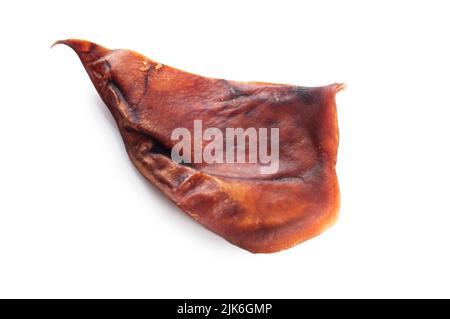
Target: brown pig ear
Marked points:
260	212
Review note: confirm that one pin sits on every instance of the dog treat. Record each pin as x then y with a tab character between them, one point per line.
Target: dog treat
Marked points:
259	206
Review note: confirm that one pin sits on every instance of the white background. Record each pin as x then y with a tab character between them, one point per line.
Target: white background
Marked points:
77	219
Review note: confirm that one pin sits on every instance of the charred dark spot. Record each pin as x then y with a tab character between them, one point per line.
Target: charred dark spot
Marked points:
305	94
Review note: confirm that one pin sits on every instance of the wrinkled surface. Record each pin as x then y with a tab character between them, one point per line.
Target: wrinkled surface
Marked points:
260	213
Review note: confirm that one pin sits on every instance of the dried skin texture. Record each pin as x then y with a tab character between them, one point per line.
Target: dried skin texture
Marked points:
260	213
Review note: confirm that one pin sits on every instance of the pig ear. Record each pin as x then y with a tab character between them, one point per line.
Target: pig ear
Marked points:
260	215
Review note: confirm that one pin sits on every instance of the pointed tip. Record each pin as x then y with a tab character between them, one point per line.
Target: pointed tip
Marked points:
340	86
78	44
86	50
57	42
73	43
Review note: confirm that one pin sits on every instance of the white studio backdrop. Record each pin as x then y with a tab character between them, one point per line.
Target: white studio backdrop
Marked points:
77	219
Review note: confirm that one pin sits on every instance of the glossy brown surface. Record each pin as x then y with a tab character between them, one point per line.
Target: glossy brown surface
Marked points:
260	213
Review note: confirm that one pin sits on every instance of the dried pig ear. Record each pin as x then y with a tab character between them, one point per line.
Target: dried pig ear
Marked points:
260	212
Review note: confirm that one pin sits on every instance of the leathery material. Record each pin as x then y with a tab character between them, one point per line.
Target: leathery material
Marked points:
261	213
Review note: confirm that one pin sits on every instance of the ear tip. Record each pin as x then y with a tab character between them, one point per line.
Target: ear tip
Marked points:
86	50
57	42
70	42
81	46
340	86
